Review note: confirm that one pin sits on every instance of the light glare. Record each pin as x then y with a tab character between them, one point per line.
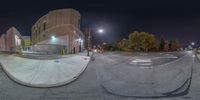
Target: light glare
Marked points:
101	30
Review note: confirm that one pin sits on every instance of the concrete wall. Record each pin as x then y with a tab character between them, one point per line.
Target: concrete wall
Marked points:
48	49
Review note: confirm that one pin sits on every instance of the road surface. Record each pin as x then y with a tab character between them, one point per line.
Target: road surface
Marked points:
86	87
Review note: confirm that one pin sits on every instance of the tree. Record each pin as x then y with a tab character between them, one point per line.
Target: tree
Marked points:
119	45
166	46
142	41
148	41
162	44
122	45
170	45
177	44
134	40
174	45
151	42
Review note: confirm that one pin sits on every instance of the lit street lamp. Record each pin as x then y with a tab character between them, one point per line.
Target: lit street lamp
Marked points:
100	31
192	43
80	41
53	37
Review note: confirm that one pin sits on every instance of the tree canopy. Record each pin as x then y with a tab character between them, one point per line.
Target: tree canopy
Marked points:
142	41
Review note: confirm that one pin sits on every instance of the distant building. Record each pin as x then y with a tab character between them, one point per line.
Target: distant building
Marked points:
58	30
3	42
27	42
14	40
11	41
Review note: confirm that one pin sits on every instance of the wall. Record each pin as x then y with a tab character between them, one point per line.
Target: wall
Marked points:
11	42
3	42
48	49
63	24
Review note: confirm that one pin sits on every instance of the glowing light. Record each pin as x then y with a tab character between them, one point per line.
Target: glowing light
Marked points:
192	43
53	37
100	30
79	40
190	51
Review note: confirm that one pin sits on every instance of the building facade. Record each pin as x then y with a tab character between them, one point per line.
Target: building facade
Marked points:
14	40
3	42
11	41
27	43
58	29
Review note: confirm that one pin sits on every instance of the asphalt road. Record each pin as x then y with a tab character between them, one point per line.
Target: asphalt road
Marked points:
89	85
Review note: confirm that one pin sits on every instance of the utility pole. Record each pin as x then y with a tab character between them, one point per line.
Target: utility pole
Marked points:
88	41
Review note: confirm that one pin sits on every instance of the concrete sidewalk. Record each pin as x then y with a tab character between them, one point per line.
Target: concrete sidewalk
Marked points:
44	73
198	56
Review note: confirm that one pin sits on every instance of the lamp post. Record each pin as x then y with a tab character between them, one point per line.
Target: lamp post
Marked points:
88	42
79	40
100	31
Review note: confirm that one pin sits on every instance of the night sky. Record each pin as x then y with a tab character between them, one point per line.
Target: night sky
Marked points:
169	19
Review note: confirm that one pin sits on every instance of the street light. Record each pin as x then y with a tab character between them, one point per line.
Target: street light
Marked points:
192	43
80	41
53	37
89	37
100	30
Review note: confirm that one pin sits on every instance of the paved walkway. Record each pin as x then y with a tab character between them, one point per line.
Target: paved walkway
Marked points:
44	73
198	55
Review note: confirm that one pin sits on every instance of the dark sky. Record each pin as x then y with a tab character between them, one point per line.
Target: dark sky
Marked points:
169	19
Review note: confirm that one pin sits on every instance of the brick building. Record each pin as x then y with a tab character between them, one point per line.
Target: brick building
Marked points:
11	41
59	29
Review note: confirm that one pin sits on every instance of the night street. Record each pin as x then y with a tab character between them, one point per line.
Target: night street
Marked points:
99	50
89	85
